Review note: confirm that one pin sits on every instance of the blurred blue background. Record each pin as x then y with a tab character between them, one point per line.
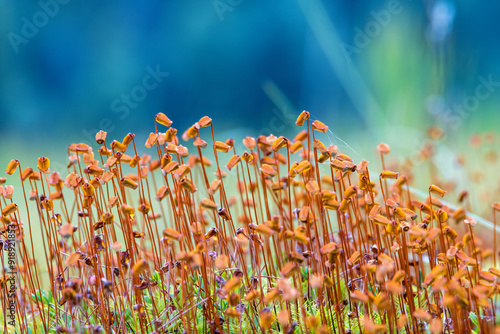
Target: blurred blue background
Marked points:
372	70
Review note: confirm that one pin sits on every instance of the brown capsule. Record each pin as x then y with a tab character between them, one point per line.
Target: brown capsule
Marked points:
422	315
289	269
117	146
162	192
312	187
386	174
73	258
339	165
370	327
127	209
344	204
140	267
247	157
495	271
162	119
94	170
268	170
384	148
223	147
300	237
152	138
303	167
172	234
12	166
128	139
327	195
442	215
374	211
154	165
360	296
182	171
198	142
487	276
49	205
235	159
172	148
137	234
459	214
436	272
221	262
191	132
470	221
399	214
381	220
211	233
302	118
436	190
67	230
279	143
363	168
100	137
301	136
312	322
9	209
99	225
188	185
451	233
215	185
170	167
330	248
316	281
111	161
43	164
295	147
128	183
319	126
411	214
82	148
436	326
354	258
88	189
324	157
331	204
319	146
205	121
266	319
208	204
262	229
249	142
252	295
461	197
232	284
351	191
451	253
231	312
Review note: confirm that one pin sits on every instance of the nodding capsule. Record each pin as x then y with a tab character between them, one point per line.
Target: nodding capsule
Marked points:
386	174
302	118
162	119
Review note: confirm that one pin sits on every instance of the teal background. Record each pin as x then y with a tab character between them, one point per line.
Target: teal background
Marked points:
251	65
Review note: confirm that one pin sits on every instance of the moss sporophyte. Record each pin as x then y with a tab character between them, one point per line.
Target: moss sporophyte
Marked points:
289	235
